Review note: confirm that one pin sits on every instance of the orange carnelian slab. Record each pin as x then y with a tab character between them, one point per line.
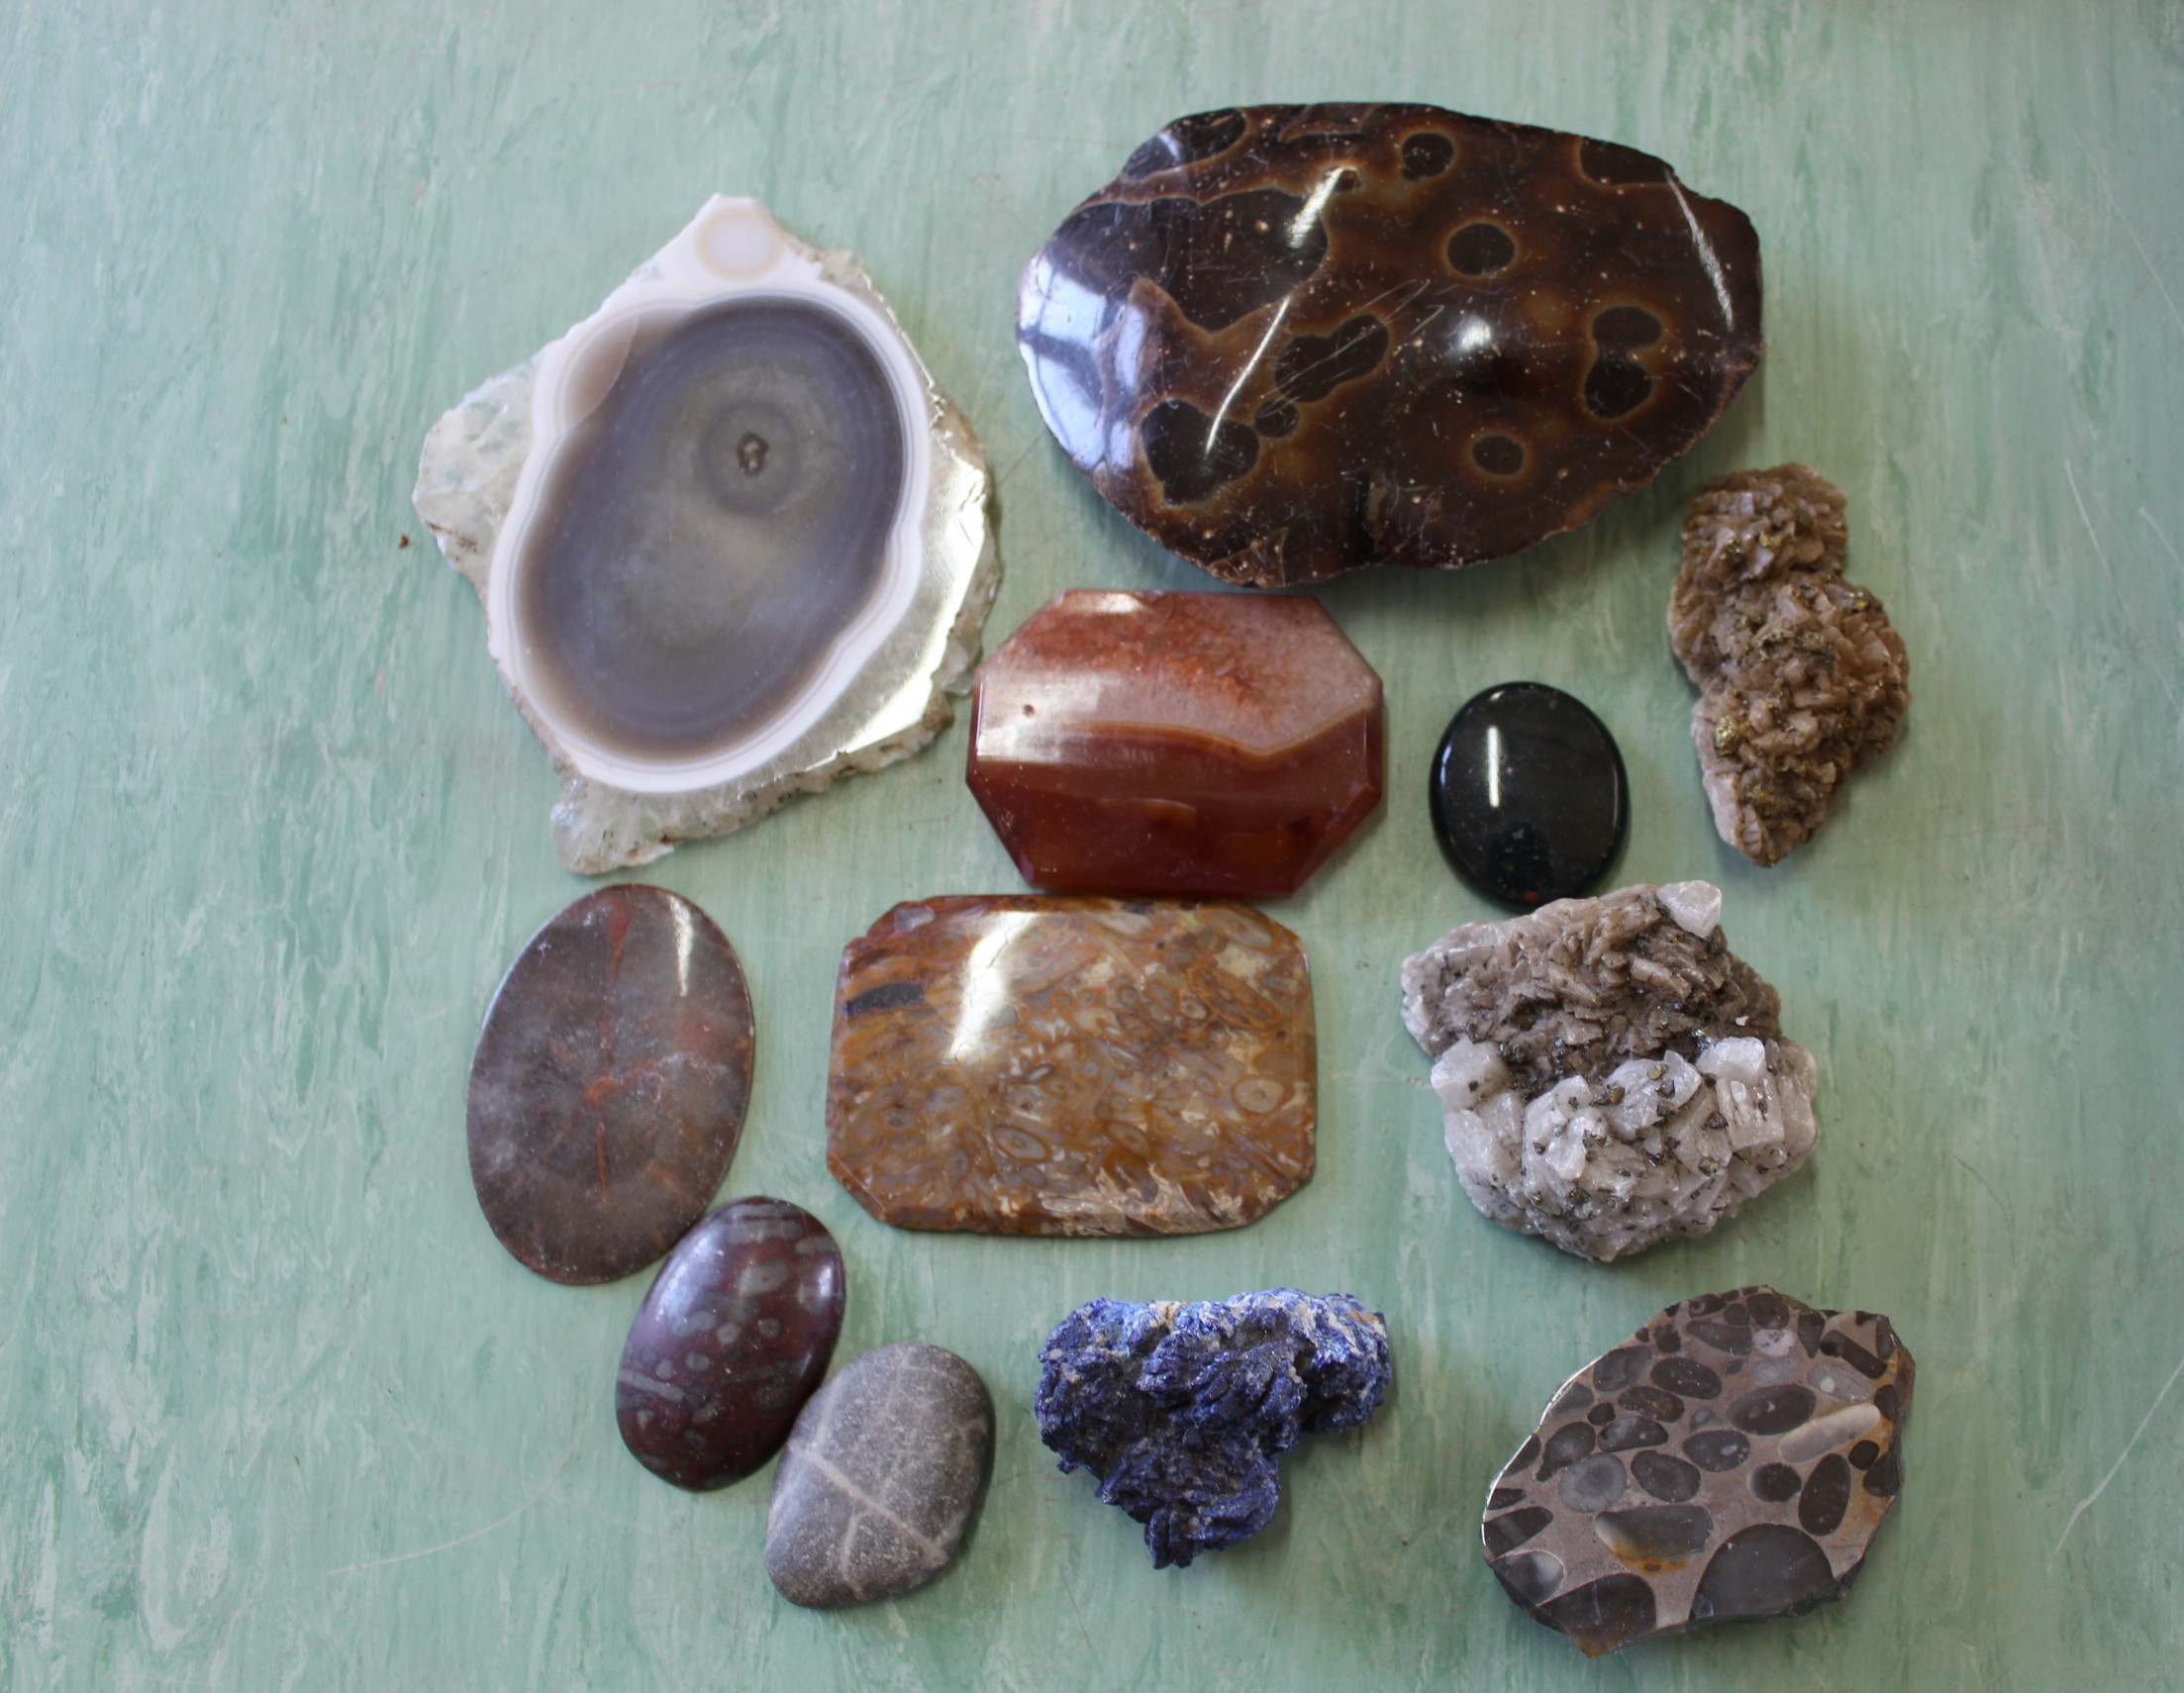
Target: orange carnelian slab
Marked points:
1175	744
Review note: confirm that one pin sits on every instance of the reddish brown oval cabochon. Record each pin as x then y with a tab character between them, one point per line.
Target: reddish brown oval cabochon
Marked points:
1292	340
609	1084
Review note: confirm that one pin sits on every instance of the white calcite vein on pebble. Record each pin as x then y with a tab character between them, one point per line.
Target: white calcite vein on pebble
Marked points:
1610	1074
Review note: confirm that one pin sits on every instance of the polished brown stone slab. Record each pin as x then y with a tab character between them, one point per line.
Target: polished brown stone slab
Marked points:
1029	1064
1176	744
609	1084
1292	340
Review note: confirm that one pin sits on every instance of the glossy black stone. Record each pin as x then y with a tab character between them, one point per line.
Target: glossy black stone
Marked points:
1527	795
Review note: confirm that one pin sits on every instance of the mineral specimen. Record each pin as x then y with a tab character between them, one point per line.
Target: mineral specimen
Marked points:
1290	340
882	1478
1731	1461
1026	1064
731	1341
1611	1075
1801	678
609	1084
1175	744
1528	796
731	539
1180	1411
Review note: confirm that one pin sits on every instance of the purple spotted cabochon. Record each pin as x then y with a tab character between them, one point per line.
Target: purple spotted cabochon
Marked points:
1733	1459
1292	340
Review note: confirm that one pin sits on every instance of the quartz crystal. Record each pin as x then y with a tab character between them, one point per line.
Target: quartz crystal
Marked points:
882	1478
1528	796
1180	1411
1801	678
1175	744
1610	1073
1026	1064
731	538
730	1343
609	1084
1292	340
1731	1461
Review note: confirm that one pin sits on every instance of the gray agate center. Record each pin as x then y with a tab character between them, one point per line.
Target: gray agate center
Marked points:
707	532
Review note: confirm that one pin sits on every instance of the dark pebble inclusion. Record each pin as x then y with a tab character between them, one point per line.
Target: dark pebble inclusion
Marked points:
1527	795
1789	1426
1293	340
732	1337
608	1089
1181	1412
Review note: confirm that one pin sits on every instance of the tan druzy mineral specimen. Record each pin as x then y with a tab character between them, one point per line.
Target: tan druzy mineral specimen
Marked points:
1801	678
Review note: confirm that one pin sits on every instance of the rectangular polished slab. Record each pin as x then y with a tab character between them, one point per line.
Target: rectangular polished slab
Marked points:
1028	1065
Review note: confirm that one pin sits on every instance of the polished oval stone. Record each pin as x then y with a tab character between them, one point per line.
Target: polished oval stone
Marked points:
1215	745
731	1341
1292	340
609	1084
1738	1530
882	1478
1527	795
1036	1064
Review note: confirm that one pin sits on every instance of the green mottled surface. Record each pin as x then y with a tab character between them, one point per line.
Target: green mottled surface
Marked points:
275	1411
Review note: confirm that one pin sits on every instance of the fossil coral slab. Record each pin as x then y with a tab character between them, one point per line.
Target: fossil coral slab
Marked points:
1730	1461
609	1084
1028	1065
1291	341
1180	1411
1801	677
1610	1073
731	538
1176	744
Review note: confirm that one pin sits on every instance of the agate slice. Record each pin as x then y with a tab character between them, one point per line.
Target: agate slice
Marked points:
1801	678
1730	1461
1181	1412
609	1085
731	538
731	1341
1041	1066
1175	744
1611	1075
1292	340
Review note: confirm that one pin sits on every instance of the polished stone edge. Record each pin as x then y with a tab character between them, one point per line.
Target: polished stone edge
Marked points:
466	487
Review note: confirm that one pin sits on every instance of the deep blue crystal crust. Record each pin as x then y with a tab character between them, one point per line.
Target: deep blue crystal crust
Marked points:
1180	1411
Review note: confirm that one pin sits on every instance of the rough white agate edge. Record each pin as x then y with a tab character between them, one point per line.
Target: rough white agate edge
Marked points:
889	686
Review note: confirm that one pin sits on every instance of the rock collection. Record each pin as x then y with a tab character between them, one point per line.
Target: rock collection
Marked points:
732	543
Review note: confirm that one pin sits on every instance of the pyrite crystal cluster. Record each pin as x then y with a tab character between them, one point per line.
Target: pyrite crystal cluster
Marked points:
1801	678
1180	1411
731	538
1610	1073
1730	1461
1292	340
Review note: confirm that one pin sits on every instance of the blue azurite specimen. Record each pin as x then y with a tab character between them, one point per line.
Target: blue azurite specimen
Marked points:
1180	1411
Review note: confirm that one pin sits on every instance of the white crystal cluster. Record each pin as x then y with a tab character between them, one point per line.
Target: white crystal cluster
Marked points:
1616	1160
